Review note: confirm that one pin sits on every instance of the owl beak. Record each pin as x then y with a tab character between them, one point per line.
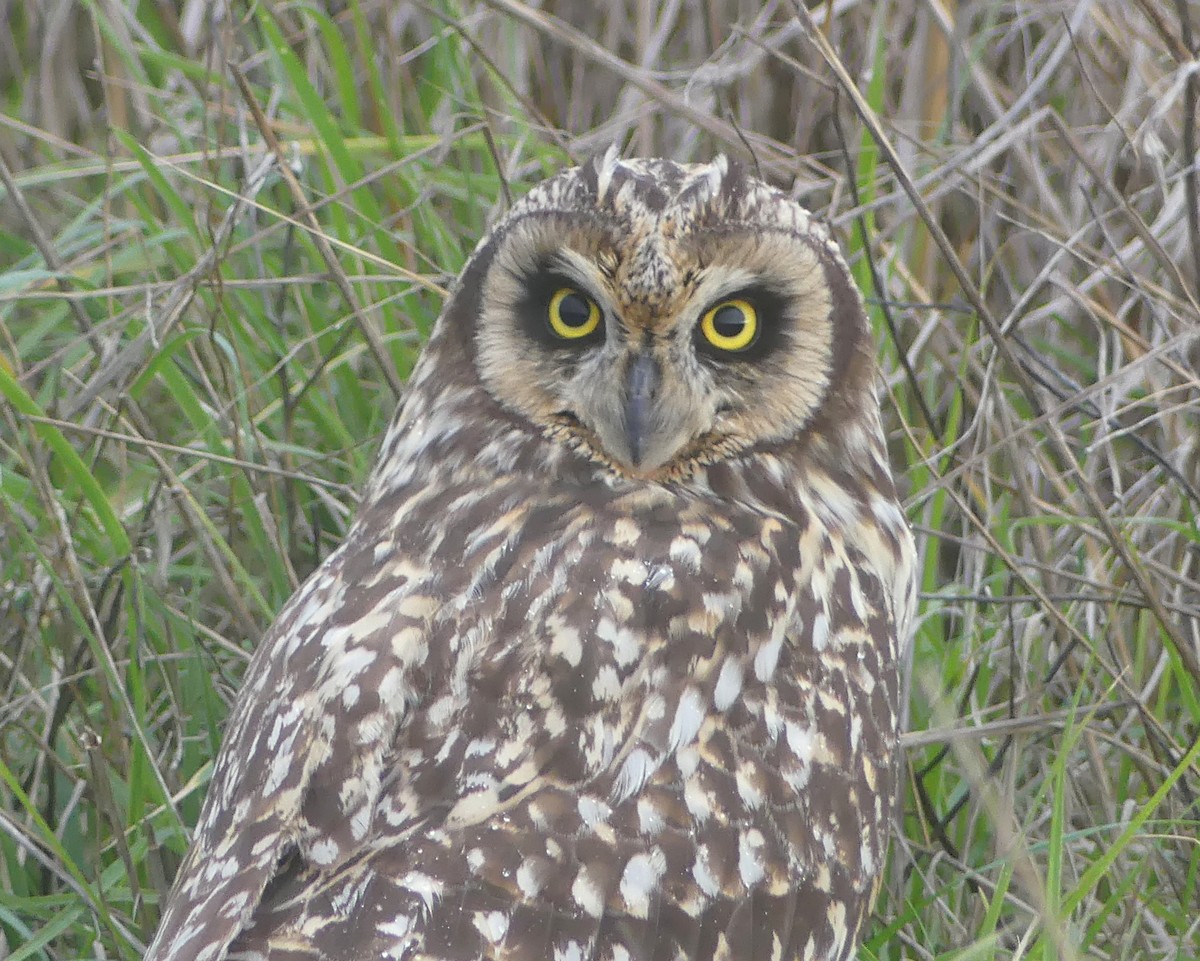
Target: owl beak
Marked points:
642	381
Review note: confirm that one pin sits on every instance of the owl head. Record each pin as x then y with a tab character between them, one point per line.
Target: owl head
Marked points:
650	317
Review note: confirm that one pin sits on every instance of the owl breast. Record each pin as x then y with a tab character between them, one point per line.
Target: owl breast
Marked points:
638	720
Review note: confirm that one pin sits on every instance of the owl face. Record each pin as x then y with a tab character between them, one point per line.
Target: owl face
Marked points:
654	315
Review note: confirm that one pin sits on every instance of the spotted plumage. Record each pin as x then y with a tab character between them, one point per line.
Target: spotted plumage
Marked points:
606	667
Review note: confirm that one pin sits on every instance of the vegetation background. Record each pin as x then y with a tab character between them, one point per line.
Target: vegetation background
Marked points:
226	227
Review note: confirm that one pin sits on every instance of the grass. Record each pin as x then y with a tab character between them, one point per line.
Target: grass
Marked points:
222	243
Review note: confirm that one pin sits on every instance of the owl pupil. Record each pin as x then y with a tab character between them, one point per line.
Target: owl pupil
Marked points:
574	310
729	321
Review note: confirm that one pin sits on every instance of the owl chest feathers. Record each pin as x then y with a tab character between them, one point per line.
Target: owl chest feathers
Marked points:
599	641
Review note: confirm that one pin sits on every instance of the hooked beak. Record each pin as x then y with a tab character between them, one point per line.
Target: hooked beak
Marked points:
642	381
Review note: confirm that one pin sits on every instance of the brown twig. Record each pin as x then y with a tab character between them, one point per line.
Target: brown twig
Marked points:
1190	95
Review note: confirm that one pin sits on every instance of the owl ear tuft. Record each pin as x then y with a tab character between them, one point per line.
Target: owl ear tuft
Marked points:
598	171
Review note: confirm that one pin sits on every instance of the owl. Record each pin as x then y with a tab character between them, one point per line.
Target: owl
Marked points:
606	668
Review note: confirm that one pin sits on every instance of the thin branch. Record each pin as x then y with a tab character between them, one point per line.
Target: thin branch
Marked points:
373	337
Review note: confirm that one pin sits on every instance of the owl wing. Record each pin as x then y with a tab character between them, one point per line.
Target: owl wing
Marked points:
322	696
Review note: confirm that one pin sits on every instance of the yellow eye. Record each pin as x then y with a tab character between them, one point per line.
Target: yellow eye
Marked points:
571	314
732	325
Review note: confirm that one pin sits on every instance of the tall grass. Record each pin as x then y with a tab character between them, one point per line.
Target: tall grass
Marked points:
226	229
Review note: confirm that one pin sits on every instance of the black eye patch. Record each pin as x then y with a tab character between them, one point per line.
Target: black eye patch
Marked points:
557	312
721	322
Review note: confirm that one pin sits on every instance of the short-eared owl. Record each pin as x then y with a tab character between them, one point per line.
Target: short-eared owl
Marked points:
607	666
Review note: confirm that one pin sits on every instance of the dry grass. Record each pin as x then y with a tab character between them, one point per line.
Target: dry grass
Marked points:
199	348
